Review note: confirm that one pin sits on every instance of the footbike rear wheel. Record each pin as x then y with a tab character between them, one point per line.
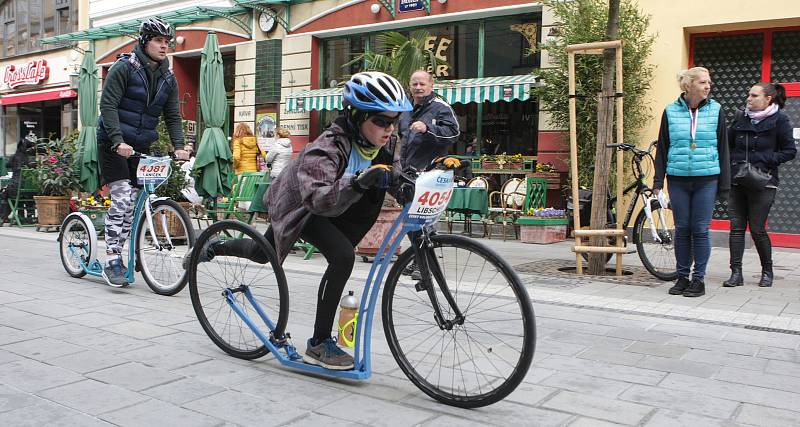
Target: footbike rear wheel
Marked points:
218	267
77	244
160	257
469	363
656	252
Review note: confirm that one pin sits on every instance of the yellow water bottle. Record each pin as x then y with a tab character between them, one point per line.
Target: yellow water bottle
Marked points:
348	316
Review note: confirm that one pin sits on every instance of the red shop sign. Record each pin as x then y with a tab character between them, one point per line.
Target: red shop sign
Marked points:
34	72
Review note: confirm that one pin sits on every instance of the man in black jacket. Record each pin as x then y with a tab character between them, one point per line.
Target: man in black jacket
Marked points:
428	131
139	89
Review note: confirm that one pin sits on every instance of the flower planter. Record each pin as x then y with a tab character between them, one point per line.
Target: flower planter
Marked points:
491	164
542	230
51	210
369	245
553	179
98	217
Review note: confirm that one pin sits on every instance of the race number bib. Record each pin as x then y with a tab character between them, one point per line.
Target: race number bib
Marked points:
433	191
152	170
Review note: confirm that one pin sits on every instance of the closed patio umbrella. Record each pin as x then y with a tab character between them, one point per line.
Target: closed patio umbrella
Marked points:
87	109
213	162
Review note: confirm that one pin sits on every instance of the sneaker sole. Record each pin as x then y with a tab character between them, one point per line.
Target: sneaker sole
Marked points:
732	285
112	284
311	361
671	292
693	294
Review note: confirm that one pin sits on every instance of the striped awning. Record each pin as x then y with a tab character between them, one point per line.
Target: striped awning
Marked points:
463	91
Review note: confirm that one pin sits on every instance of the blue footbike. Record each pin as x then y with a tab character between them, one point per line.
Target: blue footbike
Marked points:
161	235
462	330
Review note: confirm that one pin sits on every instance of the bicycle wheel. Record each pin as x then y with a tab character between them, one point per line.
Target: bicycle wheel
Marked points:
77	243
479	361
160	258
658	257
216	267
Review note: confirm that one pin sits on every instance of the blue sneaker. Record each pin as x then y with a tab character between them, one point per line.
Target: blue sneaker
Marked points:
328	355
114	272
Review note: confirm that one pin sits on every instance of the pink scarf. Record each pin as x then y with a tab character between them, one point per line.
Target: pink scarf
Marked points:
757	116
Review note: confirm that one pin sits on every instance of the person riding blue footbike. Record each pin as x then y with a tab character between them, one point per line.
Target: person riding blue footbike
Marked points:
139	89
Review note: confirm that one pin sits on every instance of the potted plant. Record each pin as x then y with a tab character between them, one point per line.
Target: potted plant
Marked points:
502	161
95	207
369	245
57	178
543	226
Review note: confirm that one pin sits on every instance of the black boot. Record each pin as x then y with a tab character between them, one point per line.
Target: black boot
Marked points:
680	286
766	277
736	278
696	289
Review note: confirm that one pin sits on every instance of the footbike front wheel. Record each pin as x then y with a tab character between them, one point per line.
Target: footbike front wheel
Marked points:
471	360
160	257
657	252
77	244
231	259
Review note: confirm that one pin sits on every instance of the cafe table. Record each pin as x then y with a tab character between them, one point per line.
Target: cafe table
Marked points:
467	201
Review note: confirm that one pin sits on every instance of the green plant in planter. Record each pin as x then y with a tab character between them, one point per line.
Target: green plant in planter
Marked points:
55	170
177	177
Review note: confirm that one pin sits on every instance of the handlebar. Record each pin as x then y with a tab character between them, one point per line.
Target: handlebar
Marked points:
631	147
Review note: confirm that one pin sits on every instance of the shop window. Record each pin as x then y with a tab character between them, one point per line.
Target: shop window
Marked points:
35	18
7	29
22	26
48	18
507	49
336	53
24	22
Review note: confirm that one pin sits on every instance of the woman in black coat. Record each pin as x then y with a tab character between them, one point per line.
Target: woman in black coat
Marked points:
762	136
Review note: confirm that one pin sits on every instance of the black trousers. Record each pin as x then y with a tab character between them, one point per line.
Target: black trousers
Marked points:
746	207
336	239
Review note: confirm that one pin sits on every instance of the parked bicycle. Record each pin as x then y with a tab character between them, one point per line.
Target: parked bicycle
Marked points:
654	228
161	230
463	331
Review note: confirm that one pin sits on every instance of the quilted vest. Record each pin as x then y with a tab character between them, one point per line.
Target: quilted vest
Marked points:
684	158
138	114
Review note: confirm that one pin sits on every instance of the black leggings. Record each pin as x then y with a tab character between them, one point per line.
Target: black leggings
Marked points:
750	208
335	238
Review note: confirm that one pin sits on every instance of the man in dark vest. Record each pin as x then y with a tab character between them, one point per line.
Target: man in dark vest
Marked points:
139	89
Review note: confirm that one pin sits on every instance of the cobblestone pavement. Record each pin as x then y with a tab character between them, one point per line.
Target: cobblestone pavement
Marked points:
77	352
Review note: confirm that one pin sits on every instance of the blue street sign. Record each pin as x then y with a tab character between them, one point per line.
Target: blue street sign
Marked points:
409	5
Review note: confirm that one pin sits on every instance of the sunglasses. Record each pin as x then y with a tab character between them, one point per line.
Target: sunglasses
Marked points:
382	121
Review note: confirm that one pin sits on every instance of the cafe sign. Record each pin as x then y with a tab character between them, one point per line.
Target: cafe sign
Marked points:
32	73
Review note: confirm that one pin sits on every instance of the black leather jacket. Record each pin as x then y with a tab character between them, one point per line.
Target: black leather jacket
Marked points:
768	143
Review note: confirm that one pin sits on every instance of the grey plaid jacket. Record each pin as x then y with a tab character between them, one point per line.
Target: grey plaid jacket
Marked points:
313	184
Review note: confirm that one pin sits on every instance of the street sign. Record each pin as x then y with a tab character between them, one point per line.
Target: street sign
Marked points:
410	5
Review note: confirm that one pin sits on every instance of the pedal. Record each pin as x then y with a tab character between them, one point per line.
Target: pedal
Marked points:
420	286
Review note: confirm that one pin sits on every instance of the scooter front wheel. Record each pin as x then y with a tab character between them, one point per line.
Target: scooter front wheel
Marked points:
77	244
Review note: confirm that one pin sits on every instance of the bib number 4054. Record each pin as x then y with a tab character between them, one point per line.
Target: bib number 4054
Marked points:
434	198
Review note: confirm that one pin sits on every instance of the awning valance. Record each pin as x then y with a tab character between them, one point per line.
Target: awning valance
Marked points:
463	91
62	92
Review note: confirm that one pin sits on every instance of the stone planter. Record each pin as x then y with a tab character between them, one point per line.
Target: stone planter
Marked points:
542	230
51	210
491	164
369	245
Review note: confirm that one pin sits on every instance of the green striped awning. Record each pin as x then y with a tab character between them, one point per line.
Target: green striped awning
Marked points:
463	91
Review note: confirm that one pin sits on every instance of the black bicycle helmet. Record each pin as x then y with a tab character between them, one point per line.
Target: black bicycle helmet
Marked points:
153	27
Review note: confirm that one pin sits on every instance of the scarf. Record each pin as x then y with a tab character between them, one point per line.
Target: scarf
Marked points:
757	116
367	153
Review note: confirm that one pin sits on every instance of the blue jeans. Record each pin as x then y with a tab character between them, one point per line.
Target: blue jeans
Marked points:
692	207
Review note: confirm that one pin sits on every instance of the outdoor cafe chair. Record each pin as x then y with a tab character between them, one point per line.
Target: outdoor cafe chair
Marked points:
22	205
505	206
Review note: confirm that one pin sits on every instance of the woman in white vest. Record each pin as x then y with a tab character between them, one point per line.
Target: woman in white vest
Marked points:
693	155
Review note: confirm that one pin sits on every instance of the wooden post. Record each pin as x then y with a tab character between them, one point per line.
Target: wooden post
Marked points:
620	157
573	153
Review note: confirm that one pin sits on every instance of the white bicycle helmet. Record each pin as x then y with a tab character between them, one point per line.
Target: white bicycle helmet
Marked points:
375	91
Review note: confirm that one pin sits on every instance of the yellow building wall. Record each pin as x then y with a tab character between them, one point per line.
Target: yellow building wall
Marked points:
674	21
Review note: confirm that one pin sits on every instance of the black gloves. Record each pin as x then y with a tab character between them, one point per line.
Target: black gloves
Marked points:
376	176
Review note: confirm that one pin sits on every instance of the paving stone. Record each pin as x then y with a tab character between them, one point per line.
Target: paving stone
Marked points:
27	321
692	330
122	310
373	412
783	368
32	376
715	345
11	399
674	351
245	409
557	347
732	391
220	372
635	334
764	338
153	413
134	376
665	418
726	359
313	419
164	357
7	356
313	396
502	413
92	397
611	356
603	370
760	379
775	353
669	399
47	308
50	415
95	319
682	366
86	361
598	407
586	384
183	391
12	335
589	340
447	421
10	297
759	415
140	330
43	348
591	422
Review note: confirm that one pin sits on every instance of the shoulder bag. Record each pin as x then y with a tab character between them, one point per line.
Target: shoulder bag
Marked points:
747	175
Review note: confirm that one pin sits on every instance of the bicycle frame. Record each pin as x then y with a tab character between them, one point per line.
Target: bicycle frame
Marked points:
362	368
